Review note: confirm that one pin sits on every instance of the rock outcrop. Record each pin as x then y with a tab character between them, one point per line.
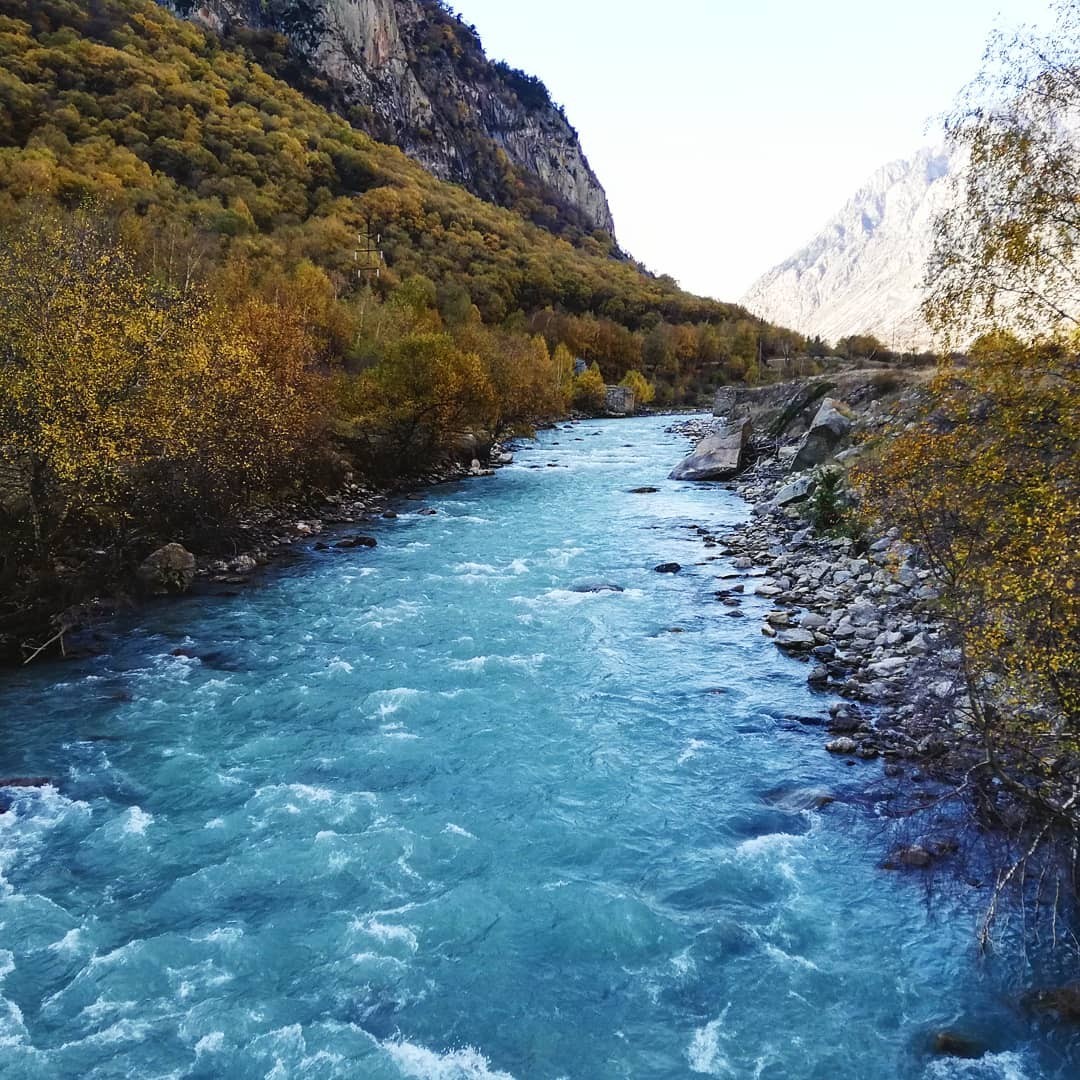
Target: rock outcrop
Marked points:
413	74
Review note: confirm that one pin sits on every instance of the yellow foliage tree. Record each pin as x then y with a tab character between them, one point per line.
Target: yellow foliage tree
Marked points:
644	391
589	390
127	403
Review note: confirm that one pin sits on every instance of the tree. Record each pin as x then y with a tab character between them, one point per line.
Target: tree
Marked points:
644	391
589	390
986	479
1008	253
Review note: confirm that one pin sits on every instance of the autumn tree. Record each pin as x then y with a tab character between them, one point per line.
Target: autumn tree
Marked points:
644	391
986	478
589	390
128	404
1008	253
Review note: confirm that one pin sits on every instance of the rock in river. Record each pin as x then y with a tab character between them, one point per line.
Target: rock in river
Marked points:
717	457
668	568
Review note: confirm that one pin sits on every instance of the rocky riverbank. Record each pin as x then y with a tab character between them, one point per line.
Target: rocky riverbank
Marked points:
89	589
861	613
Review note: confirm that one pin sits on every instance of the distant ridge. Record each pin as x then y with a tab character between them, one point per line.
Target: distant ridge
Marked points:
863	273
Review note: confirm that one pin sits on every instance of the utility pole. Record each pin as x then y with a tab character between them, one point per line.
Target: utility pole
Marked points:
368	260
368	256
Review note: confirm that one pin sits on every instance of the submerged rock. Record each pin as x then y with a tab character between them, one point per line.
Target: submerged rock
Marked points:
1061	1002
596	587
668	568
953	1044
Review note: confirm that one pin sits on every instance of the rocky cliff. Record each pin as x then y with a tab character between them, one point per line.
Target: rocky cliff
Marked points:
411	73
864	272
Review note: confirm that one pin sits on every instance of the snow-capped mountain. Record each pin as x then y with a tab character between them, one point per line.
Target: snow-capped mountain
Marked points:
864	272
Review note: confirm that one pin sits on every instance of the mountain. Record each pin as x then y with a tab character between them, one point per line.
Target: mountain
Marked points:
411	73
863	273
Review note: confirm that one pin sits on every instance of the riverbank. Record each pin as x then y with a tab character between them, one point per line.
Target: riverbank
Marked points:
861	614
60	616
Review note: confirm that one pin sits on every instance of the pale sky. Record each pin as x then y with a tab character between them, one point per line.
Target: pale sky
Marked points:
728	132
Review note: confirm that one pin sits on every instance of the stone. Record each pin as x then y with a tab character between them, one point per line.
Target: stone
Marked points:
889	667
668	568
169	570
797	491
796	640
357	542
597	587
953	1044
842	746
813	621
796	799
724	401
829	427
717	457
643	491
914	857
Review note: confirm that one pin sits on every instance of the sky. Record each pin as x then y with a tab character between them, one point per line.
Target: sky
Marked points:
728	132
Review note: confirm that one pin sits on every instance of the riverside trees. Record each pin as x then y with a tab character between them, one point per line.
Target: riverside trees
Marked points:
987	480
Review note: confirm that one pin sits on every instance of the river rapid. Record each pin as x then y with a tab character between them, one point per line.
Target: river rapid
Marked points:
427	811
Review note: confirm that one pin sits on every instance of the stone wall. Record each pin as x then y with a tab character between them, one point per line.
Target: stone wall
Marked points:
619	400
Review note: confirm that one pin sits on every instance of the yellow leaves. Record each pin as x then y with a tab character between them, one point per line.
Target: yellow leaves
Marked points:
129	398
988	483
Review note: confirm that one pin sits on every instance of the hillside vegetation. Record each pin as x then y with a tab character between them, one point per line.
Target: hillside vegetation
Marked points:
192	323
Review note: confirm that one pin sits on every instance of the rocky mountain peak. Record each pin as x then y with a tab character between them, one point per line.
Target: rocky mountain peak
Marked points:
863	273
412	73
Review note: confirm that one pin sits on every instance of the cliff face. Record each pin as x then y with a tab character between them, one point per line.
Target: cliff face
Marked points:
412	74
864	272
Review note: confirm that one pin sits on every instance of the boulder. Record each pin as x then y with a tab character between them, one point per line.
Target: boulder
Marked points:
724	402
842	746
357	542
828	429
796	640
797	491
955	1044
717	457
668	568
170	569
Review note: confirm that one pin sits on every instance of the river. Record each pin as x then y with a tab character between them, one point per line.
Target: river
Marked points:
427	811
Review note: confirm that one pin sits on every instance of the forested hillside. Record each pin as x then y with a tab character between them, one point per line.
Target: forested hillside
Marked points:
214	293
121	101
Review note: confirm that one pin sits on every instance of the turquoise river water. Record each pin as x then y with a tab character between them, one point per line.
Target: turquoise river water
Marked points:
426	811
